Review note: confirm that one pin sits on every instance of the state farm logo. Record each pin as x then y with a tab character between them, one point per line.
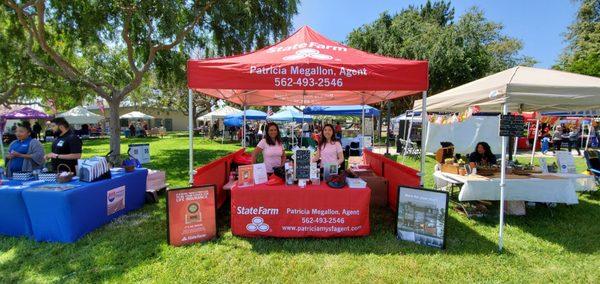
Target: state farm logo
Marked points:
258	224
307	53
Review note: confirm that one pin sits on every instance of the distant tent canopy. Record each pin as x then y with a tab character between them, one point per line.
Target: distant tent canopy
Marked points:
136	115
290	114
80	115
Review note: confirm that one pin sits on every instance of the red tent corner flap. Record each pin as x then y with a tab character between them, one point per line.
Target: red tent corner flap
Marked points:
216	172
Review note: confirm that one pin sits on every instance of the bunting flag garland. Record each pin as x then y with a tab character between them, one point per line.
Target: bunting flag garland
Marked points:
453	118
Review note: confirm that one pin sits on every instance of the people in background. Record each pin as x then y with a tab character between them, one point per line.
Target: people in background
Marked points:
271	148
329	149
338	130
25	154
546	143
482	156
37	130
564	135
66	148
132	130
574	140
557	138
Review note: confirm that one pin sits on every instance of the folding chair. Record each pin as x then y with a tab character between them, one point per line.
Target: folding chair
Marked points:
593	162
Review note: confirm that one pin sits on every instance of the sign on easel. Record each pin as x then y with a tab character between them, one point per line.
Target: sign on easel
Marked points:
565	162
141	152
191	215
302	163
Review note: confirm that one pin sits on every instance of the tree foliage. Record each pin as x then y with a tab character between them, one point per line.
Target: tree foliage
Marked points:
582	55
109	46
458	52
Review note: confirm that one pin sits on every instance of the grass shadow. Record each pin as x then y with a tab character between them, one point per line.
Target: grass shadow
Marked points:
461	240
104	254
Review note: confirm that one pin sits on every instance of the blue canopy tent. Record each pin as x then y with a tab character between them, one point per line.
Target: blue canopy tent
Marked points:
237	119
352	110
290	114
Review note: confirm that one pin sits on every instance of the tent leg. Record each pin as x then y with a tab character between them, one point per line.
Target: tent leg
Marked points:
587	142
407	138
387	138
423	138
2	143
191	135
502	183
515	147
362	143
223	137
244	128
535	138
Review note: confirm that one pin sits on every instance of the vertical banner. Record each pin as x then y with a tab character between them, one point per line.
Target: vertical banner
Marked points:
191	215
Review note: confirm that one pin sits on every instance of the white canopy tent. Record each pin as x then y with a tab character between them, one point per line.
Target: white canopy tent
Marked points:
219	113
80	115
136	115
518	89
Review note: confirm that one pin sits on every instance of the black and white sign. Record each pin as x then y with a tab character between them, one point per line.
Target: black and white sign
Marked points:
302	163
422	215
512	125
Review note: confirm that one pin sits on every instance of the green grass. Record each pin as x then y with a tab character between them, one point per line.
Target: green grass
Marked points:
560	245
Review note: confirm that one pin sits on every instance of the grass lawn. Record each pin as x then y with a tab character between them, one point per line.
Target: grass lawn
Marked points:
561	244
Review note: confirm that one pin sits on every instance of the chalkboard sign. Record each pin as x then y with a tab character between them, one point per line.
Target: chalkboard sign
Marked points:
302	163
512	125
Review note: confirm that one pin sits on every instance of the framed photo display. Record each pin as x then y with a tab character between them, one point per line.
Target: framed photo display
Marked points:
191	215
421	216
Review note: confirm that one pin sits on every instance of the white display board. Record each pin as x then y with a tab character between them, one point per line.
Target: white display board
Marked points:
465	135
368	126
141	152
565	162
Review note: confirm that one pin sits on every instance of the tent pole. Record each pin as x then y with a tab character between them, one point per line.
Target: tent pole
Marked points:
244	128
2	142
362	143
587	142
502	183
387	138
407	137
535	138
516	146
423	137
223	137
191	135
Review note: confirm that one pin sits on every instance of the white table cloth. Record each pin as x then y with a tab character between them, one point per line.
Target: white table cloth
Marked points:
526	189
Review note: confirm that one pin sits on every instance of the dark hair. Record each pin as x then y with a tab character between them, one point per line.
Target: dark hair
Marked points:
60	121
486	148
323	140
268	137
26	125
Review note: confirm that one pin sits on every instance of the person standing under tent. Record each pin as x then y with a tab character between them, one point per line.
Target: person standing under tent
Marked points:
329	150
574	140
271	148
67	147
564	135
557	138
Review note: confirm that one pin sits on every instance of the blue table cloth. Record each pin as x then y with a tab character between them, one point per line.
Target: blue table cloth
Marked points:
65	216
14	219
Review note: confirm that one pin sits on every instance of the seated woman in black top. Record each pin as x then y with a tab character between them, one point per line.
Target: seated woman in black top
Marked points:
483	155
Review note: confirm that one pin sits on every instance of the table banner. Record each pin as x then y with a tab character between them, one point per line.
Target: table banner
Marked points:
294	212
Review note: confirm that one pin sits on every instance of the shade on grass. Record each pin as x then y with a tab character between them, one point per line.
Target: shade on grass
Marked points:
559	244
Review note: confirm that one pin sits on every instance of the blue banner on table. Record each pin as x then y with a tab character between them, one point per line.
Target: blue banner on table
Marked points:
422	215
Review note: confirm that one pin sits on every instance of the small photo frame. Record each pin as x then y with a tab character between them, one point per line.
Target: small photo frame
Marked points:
421	216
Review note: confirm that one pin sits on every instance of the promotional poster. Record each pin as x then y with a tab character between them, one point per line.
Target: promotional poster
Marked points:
191	215
422	216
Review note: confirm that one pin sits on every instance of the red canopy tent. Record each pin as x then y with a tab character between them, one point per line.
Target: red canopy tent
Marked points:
306	69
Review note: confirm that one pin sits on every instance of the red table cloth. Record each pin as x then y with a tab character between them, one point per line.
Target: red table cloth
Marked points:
288	211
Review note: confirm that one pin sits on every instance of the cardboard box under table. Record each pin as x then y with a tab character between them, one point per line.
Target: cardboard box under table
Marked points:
65	216
288	211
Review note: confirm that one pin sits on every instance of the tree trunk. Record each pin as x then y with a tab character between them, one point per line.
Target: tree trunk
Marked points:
115	129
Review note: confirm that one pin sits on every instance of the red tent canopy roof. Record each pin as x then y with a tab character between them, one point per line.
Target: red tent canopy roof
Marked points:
307	69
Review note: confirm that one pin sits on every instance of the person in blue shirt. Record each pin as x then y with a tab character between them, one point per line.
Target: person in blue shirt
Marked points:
25	154
546	143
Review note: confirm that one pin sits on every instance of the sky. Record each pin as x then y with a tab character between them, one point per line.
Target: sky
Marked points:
539	24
